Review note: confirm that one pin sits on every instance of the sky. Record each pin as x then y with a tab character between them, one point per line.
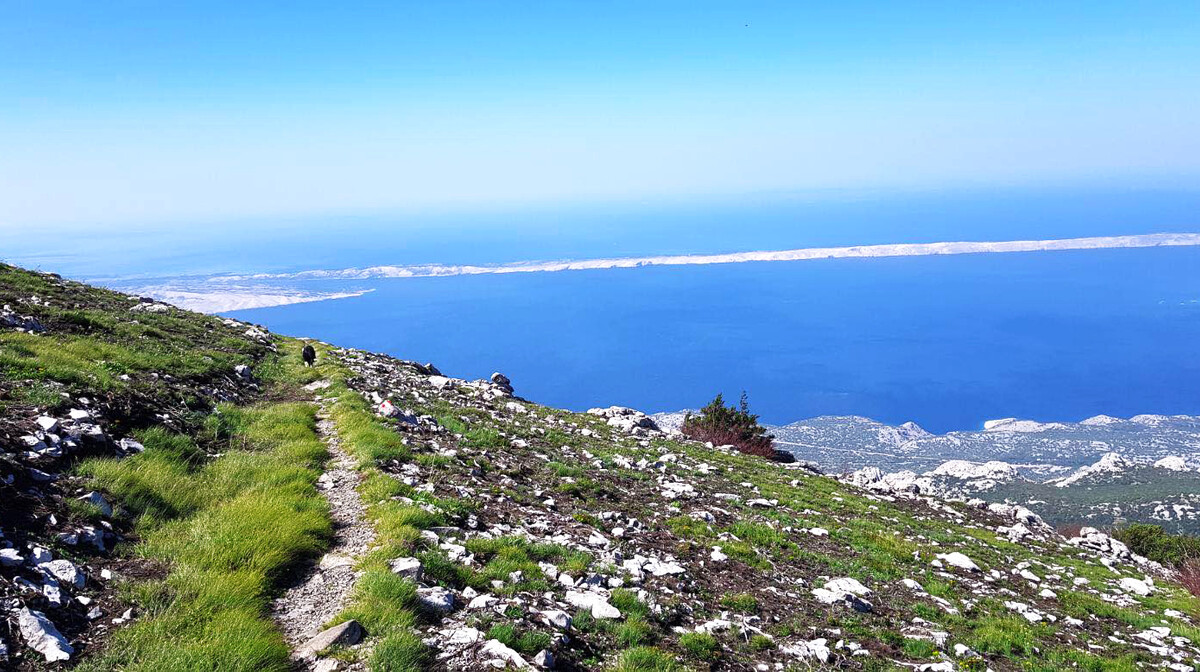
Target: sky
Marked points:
120	113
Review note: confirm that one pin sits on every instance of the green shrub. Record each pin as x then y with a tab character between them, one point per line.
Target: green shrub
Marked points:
730	425
761	643
1156	544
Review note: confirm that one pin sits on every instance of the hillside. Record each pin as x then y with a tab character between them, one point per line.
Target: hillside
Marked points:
1102	471
180	493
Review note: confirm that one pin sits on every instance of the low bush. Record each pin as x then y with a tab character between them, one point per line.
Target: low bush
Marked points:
730	425
1151	541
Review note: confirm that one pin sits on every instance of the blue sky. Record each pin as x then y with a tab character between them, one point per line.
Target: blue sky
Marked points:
132	112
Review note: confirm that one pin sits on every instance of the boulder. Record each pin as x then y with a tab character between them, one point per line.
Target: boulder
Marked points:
1138	587
97	500
557	618
626	419
595	602
846	591
500	380
544	659
496	651
817	649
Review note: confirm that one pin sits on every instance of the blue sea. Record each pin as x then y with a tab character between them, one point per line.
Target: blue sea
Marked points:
947	342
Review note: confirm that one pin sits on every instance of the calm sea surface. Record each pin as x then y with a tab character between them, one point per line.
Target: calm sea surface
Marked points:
945	341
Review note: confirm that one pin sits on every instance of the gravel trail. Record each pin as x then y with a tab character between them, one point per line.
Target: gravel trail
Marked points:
324	587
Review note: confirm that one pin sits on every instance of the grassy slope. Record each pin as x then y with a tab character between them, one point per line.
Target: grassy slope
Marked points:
225	528
876	541
228	528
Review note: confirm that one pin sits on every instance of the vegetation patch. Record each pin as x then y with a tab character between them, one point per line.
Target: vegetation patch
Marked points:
228	529
730	425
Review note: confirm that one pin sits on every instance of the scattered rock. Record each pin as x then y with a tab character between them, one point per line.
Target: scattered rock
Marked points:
345	634
499	652
409	568
41	636
959	560
436	599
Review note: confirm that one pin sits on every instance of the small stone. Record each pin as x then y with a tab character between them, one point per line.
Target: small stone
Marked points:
544	659
327	665
97	500
65	571
409	568
41	635
557	618
437	599
347	634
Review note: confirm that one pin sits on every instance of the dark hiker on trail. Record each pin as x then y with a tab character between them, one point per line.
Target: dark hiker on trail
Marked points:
308	354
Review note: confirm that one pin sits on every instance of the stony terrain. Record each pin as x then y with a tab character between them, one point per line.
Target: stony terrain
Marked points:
481	530
1102	471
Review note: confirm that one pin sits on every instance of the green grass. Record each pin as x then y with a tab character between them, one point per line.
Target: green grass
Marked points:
646	659
88	348
744	603
383	603
699	645
87	363
228	530
483	437
635	631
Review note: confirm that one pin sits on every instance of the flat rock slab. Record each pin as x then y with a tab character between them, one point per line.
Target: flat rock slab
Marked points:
346	634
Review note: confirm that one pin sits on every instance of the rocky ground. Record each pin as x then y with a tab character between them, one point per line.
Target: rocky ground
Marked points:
727	562
474	529
60	540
